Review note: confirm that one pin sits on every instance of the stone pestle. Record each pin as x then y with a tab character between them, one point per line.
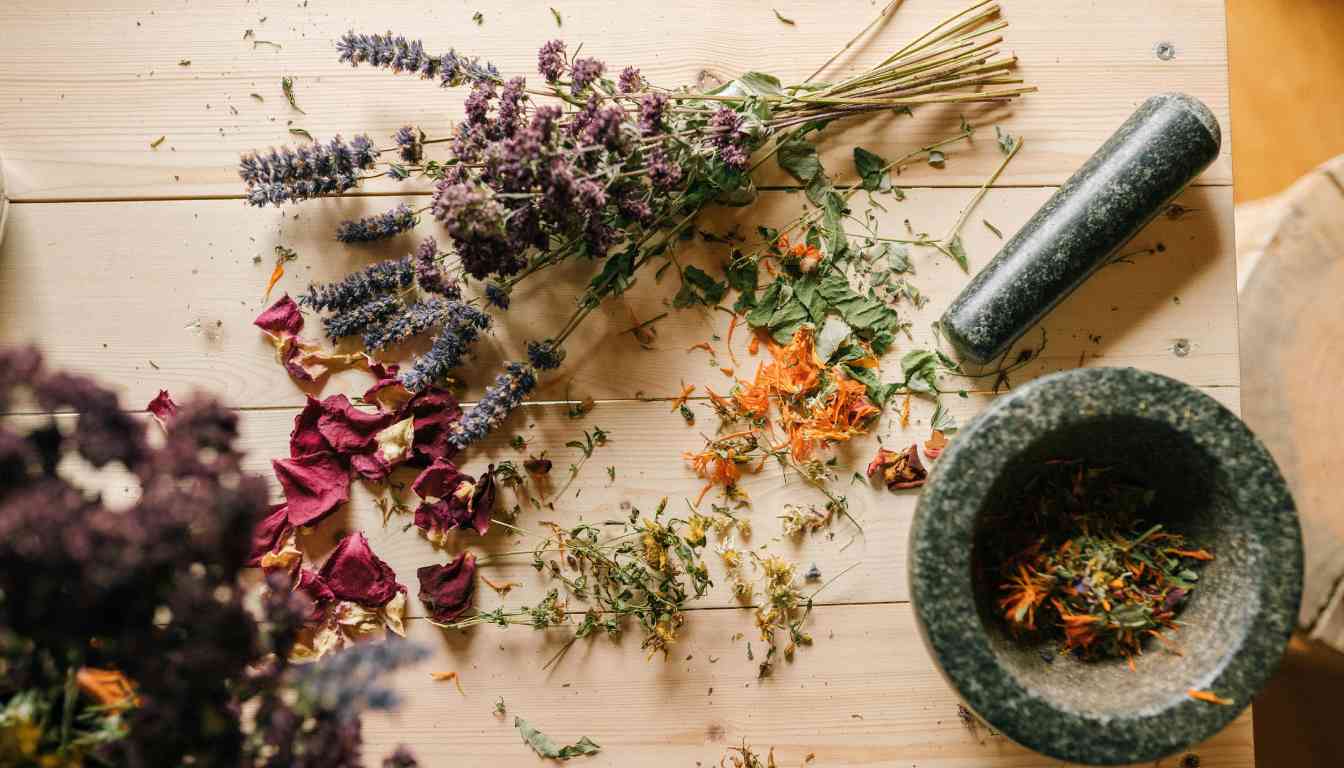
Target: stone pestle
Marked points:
1135	175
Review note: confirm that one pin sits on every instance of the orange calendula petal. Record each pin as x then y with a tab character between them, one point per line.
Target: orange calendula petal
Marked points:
1208	696
276	274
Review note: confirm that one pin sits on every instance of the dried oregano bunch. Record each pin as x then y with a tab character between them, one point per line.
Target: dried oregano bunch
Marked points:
592	164
123	635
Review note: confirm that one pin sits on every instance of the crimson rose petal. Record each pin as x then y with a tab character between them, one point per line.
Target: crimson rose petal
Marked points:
281	318
305	437
316	590
348	429
439	480
446	590
354	573
435	412
483	501
371	466
162	408
268	532
315	485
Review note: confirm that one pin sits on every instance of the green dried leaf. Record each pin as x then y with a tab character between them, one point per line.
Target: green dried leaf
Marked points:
301	132
543	745
943	420
558	21
478	17
878	392
868	317
833	333
780	16
271	43
898	259
184	62
155	143
992	228
799	158
258	97
958	252
872	169
287	85
698	287
937	158
920	368
1006	140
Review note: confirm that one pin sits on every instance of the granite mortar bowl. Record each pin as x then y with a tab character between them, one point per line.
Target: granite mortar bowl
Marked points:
1214	482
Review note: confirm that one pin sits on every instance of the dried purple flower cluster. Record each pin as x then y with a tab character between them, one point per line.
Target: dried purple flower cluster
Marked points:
359	287
291	174
410	140
379	226
149	595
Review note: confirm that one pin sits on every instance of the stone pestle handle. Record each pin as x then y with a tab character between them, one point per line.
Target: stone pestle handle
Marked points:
1135	175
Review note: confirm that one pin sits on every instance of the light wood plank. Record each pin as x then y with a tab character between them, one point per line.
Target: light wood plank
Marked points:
645	445
890	709
87	86
162	295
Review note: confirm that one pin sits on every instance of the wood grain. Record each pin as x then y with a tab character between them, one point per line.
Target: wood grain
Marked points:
162	295
155	286
892	709
1292	317
78	124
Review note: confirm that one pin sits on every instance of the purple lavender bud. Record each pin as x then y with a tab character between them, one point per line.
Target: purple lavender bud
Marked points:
461	327
497	296
584	72
631	81
511	99
402	55
377	227
359	287
478	103
651	110
354	320
551	60
292	174
663	173
429	275
418	318
408	138
545	355
508	391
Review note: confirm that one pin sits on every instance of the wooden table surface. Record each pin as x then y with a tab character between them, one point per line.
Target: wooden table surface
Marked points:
137	264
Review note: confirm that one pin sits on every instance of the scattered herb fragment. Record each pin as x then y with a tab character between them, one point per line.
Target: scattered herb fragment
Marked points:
992	228
478	17
543	745
937	159
258	97
518	442
155	143
782	18
301	132
184	63
287	85
440	677
556	15
1209	697
1006	140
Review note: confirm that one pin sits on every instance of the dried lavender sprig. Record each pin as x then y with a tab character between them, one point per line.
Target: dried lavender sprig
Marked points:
409	139
462	327
348	681
355	319
402	55
358	287
291	174
509	389
379	226
418	318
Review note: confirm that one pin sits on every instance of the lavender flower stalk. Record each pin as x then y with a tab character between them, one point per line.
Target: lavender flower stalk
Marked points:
460	330
359	287
402	55
379	226
359	317
508	391
292	174
418	318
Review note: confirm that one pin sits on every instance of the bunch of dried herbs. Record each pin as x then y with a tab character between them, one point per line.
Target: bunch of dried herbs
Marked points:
591	167
1075	561
646	569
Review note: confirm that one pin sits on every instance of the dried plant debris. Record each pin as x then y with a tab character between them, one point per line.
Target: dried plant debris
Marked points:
544	746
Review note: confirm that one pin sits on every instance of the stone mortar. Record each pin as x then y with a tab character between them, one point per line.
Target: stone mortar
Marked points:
1215	483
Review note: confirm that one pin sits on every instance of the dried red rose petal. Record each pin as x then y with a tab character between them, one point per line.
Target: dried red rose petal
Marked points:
268	533
387	393
305	437
162	408
282	318
315	485
446	590
537	466
435	411
483	501
348	429
354	573
439	480
316	590
371	466
899	470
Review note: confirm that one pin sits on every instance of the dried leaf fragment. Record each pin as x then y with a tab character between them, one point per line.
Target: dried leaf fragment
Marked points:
543	745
